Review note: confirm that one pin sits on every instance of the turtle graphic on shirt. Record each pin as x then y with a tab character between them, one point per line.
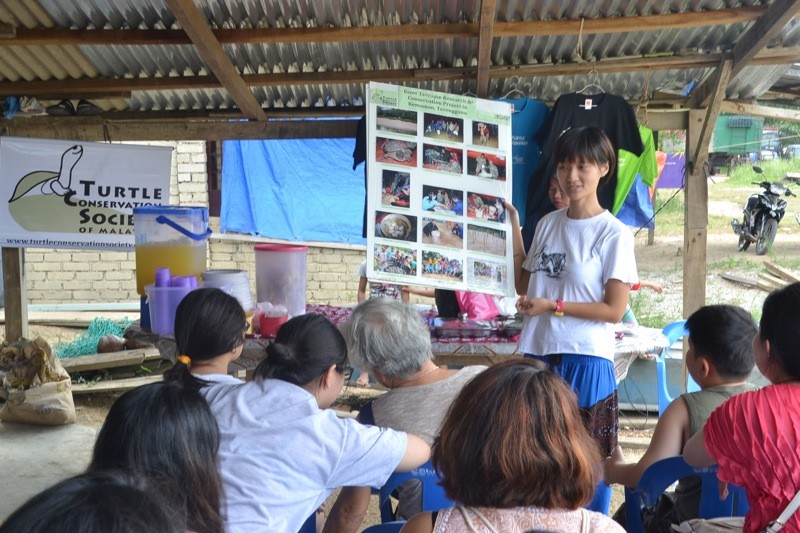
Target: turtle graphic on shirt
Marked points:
551	263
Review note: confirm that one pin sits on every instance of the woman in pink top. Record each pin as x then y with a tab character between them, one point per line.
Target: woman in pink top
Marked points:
755	437
515	453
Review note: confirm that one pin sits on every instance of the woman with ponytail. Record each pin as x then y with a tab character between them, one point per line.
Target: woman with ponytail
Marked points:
282	452
209	334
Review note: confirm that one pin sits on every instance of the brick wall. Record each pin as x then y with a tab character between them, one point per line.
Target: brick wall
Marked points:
74	276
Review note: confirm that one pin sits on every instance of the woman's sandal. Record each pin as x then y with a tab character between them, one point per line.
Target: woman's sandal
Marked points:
87	108
62	109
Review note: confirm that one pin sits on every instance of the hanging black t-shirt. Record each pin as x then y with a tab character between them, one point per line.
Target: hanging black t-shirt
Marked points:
610	113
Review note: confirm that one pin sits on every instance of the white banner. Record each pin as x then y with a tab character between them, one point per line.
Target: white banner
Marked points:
68	194
438	168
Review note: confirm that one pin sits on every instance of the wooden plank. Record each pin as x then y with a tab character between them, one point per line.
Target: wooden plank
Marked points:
773	281
114	385
764	286
196	27
15	299
778	14
99	130
707	131
782	273
755	110
382	33
486	25
102	360
738	279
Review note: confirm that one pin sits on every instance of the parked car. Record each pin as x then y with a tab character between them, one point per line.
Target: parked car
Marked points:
767	155
792	151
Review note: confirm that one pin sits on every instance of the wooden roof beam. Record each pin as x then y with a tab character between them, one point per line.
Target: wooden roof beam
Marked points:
721	79
486	24
755	110
198	30
98	86
404	32
756	38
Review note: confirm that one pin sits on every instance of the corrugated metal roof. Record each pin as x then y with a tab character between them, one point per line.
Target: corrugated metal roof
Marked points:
72	62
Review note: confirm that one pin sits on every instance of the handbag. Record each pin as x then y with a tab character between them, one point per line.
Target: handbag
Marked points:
736	523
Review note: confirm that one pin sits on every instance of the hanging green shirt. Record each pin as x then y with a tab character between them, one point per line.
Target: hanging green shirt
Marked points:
630	165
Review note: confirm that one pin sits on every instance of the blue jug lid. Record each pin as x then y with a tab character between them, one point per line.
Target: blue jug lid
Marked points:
174	210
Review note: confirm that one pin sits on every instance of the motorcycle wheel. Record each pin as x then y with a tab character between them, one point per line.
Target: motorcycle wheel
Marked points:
764	243
744	244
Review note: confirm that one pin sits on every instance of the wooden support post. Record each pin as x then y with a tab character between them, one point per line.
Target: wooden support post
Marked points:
15	299
695	235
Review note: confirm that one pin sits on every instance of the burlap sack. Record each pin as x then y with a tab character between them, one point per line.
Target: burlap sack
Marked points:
37	388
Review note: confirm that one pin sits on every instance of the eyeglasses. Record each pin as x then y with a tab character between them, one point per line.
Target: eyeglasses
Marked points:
347	373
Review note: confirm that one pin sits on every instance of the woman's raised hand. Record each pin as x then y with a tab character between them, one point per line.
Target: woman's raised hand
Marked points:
513	214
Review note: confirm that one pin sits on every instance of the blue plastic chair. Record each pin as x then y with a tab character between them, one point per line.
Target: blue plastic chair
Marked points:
388	527
433	497
673	332
658	478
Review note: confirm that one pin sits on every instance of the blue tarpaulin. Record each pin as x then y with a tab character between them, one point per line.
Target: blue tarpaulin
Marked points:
293	189
637	211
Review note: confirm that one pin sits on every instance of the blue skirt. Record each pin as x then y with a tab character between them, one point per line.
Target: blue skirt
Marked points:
592	379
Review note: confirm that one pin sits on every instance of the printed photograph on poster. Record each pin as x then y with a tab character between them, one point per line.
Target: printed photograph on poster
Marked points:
395	260
485	207
442	158
396	190
441	200
486	240
443	128
395	226
485	165
395	152
436	265
485	134
396	120
487	273
442	233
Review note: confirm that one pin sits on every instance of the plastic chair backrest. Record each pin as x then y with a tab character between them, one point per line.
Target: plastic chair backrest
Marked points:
388	527
673	332
433	497
658	478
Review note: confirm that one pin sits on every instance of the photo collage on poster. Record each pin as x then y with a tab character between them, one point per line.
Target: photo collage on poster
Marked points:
437	178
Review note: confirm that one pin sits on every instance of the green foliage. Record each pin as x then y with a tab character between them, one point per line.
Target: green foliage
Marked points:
773	170
648	309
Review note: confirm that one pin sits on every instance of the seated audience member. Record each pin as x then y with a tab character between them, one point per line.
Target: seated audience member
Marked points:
283	451
168	433
719	359
100	502
753	437
209	335
513	451
558	200
390	339
376	290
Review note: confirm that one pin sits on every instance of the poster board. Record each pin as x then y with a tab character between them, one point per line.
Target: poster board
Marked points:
70	194
438	168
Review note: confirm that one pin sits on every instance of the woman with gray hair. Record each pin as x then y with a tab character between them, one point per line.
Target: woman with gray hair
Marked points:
389	339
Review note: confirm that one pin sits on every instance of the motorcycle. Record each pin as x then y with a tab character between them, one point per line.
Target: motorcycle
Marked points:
762	213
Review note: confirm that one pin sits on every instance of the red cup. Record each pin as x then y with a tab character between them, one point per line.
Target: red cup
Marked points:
268	325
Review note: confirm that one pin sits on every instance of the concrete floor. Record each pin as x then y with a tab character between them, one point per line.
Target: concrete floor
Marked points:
33	458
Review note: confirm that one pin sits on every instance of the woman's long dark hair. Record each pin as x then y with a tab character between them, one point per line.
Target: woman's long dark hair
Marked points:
166	432
304	348
208	323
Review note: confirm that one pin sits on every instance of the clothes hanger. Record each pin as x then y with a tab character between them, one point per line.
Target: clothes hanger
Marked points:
515	89
594	82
